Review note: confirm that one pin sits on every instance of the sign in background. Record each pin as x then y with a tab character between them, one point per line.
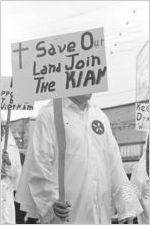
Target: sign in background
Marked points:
142	74
60	66
142	116
7	101
142	89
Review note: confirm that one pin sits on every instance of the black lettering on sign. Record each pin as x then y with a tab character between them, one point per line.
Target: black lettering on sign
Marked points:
70	79
79	79
53	68
19	106
80	64
50	68
144	108
72	61
101	73
84	39
94	59
138	107
24	107
6	96
48	86
51	86
9	106
96	43
141	107
2	103
52	50
38	83
90	76
71	47
88	62
34	69
29	107
44	70
76	78
42	49
147	108
44	86
139	116
61	48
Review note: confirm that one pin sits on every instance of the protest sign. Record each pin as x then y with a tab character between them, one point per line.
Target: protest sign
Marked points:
60	66
142	116
57	67
142	74
7	101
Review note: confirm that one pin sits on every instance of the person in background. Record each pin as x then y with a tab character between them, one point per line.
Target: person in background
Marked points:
140	181
94	172
10	174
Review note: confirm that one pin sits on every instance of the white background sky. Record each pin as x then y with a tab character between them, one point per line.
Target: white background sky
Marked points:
126	29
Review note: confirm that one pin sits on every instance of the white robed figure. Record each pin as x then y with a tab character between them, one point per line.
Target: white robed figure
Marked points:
94	172
10	181
140	181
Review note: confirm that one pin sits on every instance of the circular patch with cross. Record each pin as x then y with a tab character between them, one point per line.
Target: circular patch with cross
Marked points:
98	127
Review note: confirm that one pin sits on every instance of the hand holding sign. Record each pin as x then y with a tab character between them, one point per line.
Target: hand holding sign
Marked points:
62	210
5	158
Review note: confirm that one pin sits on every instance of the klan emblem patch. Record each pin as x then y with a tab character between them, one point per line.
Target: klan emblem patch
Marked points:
97	127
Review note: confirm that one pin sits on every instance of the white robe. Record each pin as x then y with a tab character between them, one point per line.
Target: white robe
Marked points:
93	169
10	182
140	181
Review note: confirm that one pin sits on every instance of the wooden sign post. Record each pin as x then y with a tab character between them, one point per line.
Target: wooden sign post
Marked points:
60	130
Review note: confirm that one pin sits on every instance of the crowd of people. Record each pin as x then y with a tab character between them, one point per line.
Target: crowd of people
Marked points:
94	173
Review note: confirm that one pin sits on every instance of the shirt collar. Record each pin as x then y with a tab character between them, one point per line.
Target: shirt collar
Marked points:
68	104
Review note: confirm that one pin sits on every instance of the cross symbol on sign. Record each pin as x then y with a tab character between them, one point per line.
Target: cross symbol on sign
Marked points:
98	127
20	49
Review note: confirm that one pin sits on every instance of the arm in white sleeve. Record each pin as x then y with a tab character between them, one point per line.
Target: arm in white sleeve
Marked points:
125	199
13	171
43	176
140	182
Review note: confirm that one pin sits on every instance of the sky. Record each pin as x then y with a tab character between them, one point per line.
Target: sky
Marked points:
126	29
